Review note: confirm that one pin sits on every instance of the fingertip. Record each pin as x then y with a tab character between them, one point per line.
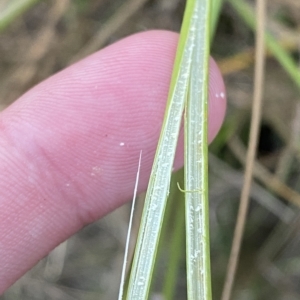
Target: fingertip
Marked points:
217	100
78	136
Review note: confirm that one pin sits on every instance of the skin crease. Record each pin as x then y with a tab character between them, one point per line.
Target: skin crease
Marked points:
69	147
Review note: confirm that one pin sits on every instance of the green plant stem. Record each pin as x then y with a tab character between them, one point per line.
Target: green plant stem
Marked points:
14	9
196	163
159	184
176	244
284	58
189	85
177	239
215	13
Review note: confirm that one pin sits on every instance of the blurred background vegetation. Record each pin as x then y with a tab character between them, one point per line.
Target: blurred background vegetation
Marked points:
44	37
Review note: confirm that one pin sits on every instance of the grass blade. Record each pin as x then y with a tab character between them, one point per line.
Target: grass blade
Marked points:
159	183
196	163
14	9
283	57
129	230
215	13
175	240
251	152
193	47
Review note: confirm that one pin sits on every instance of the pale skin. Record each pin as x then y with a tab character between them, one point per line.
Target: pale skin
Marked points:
69	147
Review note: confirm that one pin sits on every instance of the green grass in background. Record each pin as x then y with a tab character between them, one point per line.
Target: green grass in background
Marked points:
90	267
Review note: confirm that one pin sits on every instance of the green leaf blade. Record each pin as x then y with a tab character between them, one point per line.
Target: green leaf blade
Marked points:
12	10
159	183
196	163
283	57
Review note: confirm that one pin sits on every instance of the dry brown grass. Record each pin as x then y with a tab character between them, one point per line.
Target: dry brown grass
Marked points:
54	33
